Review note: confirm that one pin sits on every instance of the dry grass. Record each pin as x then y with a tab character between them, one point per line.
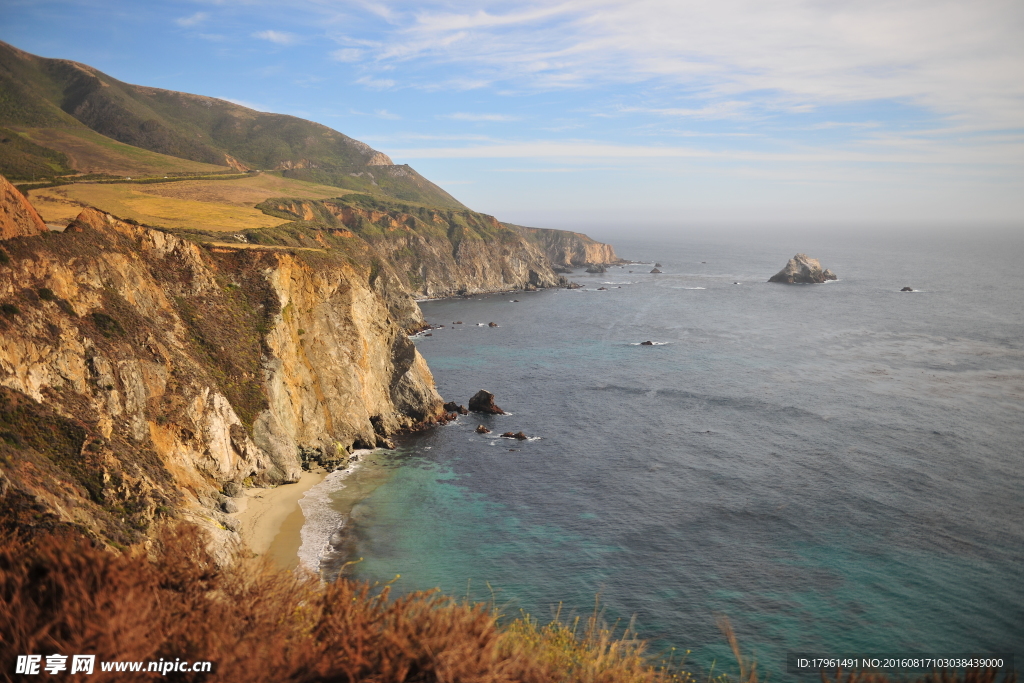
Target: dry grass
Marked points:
258	624
226	205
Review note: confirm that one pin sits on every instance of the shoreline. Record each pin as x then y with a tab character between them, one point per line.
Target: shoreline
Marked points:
270	520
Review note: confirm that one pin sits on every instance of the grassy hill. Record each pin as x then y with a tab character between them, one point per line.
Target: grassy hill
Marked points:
39	96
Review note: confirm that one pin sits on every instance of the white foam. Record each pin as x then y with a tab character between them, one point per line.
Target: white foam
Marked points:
321	519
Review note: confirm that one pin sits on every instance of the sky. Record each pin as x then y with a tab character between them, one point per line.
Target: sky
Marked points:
618	115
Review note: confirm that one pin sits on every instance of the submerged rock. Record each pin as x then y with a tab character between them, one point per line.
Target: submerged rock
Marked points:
802	269
483	402
515	435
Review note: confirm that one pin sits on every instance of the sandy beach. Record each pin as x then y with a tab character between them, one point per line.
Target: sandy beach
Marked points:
270	519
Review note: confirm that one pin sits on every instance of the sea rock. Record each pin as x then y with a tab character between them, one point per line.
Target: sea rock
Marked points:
655	270
453	407
657	265
907	289
515	435
483	402
482	430
492	324
647	343
597	268
802	269
602	289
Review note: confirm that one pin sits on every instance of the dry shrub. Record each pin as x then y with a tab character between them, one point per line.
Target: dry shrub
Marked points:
61	595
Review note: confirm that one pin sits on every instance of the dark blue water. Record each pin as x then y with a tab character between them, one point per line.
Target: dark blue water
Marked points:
836	468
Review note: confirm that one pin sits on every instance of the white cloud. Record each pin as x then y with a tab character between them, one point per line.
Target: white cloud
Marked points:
348	54
893	150
279	37
197	18
463	116
953	58
385	114
376	83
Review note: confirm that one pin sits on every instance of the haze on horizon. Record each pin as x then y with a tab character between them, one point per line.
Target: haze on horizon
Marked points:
589	114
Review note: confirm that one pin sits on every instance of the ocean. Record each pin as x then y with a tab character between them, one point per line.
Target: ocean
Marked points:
836	468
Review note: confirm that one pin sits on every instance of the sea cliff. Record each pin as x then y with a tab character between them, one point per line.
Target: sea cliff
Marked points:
144	372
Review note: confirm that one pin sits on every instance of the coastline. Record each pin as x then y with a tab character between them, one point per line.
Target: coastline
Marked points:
270	520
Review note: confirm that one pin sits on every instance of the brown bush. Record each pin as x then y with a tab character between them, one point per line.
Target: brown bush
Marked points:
61	595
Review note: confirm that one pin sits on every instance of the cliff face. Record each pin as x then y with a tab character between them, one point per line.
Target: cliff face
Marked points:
167	369
565	248
433	252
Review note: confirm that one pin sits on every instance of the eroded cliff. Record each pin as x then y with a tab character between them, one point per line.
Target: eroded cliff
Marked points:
169	368
434	252
567	249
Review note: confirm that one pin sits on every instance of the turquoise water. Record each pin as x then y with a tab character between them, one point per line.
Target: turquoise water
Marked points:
836	468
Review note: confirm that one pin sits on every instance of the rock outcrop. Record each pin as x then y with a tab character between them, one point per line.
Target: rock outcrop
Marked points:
142	373
802	269
483	402
18	218
565	249
434	252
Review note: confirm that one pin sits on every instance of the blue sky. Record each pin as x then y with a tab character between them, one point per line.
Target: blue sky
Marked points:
648	113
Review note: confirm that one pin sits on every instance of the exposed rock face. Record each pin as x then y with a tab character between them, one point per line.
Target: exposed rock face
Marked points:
18	218
435	253
483	402
169	370
802	269
564	248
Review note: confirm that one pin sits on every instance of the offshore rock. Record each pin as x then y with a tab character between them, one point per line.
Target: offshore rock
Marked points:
907	289
453	407
597	268
481	429
483	402
802	269
515	435
655	270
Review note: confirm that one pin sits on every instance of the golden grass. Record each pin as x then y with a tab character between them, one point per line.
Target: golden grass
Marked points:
91	152
225	205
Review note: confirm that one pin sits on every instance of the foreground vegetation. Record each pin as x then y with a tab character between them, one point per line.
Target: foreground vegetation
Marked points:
61	594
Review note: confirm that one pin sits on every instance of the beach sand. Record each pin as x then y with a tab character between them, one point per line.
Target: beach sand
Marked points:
270	519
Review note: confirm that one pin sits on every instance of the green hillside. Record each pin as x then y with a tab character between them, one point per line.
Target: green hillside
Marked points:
40	93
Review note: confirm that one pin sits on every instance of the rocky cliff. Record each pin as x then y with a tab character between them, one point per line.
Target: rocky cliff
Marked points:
567	249
140	372
434	252
146	372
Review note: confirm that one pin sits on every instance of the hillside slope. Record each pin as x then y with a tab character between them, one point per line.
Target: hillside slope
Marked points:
40	93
